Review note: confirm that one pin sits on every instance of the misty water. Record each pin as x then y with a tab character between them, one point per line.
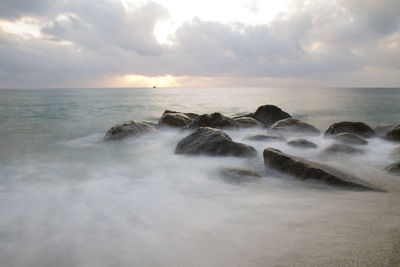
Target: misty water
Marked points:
68	198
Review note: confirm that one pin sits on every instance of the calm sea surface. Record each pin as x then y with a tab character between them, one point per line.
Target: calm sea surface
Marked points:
67	198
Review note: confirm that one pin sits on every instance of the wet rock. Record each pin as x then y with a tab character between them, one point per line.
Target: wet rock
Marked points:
358	128
132	128
269	114
210	141
175	119
341	149
382	130
303	143
304	170
393	169
215	120
243	114
247	122
265	137
291	125
349	138
395	154
238	175
394	133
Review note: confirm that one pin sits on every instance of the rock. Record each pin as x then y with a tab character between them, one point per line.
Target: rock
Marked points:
302	143
189	114
395	154
294	126
381	130
237	175
394	133
174	119
265	137
304	170
210	141
243	114
269	114
349	138
341	149
132	128
358	128
214	120
247	122
393	169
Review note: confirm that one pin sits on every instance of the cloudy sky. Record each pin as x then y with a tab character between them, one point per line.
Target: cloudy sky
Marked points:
128	43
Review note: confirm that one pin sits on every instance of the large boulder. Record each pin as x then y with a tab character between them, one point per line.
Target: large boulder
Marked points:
383	129
336	149
358	128
132	128
304	170
349	138
215	120
247	122
291	125
393	169
210	141
176	119
394	133
303	143
269	114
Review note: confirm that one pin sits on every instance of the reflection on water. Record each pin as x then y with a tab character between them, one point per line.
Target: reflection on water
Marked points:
68	198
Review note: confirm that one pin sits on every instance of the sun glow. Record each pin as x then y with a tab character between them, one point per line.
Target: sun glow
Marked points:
25	27
133	80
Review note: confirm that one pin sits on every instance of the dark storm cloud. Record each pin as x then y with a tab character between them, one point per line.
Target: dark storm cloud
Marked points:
83	41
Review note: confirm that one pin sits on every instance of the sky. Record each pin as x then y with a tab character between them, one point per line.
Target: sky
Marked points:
208	43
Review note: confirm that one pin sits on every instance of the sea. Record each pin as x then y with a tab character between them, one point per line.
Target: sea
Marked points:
69	198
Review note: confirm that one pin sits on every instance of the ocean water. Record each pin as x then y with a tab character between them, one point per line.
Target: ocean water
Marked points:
67	198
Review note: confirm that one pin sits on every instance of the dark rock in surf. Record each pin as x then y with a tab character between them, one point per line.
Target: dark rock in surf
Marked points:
210	141
132	128
358	128
175	119
269	114
382	130
303	143
247	122
304	170
215	120
243	114
237	175
393	169
394	133
291	125
395	154
349	138
265	137
336	149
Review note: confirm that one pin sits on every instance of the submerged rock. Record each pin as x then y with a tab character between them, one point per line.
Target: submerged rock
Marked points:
291	125
393	169
394	133
304	169
358	128
209	141
176	119
239	175
349	138
341	149
302	143
215	120
395	154
269	114
132	128
382	130
265	137
247	122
